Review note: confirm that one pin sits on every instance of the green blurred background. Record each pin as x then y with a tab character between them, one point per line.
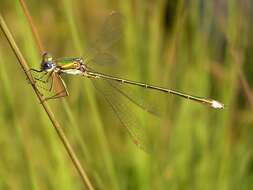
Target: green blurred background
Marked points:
200	47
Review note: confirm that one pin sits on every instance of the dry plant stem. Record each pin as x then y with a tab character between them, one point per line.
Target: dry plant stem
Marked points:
246	87
34	30
47	109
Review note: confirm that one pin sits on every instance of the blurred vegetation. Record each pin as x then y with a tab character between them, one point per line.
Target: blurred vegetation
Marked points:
200	47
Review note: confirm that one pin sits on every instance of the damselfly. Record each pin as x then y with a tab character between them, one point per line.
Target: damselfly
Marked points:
54	68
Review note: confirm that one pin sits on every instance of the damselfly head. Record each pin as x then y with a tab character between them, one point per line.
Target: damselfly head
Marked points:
47	63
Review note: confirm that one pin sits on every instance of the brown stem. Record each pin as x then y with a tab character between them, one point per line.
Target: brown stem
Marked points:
33	27
46	107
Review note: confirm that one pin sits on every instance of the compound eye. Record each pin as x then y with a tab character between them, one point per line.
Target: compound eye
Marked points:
48	65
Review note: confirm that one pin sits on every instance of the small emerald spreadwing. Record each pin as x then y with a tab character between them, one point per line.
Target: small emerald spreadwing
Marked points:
54	68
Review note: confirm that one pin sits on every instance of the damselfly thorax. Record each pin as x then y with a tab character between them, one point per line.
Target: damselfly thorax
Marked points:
73	66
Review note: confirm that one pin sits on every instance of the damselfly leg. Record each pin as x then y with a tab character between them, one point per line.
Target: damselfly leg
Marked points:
53	84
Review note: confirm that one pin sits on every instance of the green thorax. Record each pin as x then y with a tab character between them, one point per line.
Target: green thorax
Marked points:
67	62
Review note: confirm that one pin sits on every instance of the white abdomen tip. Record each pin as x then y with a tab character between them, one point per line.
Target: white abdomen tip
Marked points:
217	105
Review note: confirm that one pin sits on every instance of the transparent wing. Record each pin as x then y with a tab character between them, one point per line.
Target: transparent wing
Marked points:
133	117
100	52
111	31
